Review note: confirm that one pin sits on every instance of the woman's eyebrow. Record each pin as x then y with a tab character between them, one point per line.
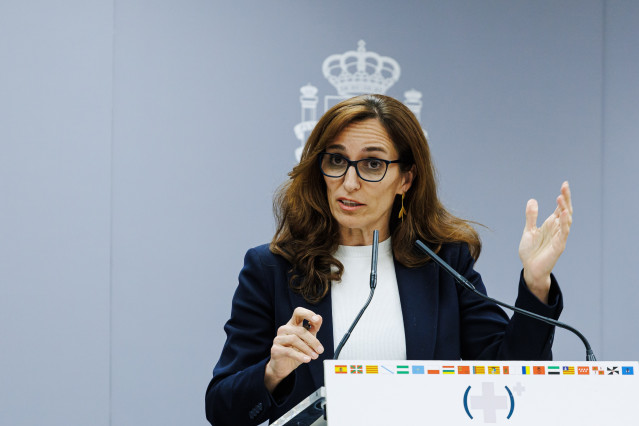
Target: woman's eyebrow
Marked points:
336	146
375	149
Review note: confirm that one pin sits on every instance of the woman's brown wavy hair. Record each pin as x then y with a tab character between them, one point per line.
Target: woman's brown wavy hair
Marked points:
307	235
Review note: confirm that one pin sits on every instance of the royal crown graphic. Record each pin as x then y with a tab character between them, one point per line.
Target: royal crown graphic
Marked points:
356	72
352	73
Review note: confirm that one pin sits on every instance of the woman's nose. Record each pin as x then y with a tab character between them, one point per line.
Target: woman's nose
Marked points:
351	180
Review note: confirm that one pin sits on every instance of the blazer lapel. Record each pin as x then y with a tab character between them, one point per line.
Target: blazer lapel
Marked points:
419	296
324	335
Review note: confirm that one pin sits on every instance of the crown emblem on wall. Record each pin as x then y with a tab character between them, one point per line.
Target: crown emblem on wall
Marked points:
352	73
359	71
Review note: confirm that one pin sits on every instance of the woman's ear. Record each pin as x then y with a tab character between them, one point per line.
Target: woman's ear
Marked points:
407	179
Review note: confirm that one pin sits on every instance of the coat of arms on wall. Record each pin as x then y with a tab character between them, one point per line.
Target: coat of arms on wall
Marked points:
352	73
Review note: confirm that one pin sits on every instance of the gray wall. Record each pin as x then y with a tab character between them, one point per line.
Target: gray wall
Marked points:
141	143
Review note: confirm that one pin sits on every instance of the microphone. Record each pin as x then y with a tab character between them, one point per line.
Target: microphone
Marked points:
590	356
373	277
373	284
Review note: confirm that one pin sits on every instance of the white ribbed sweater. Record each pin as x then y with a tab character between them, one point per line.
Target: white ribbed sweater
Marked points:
379	334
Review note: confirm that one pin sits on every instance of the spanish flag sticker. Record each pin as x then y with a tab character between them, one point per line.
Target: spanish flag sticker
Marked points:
341	369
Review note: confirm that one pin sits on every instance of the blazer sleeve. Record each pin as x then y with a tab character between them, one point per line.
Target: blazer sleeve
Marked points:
237	395
486	330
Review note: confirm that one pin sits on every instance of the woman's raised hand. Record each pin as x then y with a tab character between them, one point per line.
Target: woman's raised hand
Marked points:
293	346
541	247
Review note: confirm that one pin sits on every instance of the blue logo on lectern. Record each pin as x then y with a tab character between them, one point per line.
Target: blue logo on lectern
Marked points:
489	402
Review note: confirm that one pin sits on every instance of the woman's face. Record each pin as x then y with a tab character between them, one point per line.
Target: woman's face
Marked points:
358	206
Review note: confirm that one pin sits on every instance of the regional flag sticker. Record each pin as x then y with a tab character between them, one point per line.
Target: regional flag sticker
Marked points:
372	369
583	370
539	369
627	371
402	369
386	370
418	369
553	370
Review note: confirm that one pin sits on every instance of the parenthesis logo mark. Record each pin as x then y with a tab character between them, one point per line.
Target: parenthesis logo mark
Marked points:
466	402
512	402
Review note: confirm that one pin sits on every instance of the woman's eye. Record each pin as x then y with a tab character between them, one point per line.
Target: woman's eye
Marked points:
374	164
337	160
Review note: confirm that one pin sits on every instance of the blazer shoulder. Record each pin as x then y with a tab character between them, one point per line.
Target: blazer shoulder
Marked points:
454	251
263	256
261	251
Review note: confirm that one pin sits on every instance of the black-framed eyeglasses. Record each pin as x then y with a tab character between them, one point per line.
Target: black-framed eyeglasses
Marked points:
368	169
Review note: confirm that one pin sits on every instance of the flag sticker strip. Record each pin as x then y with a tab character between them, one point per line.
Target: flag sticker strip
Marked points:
423	369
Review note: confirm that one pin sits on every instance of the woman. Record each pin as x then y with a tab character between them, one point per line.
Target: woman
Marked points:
366	166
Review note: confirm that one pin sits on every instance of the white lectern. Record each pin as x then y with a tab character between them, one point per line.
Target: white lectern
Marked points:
469	393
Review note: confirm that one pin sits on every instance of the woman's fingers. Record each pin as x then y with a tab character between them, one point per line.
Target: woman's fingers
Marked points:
564	211
567	196
301	314
313	322
296	343
301	336
532	210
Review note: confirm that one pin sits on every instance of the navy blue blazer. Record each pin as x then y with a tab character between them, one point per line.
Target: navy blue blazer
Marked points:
441	321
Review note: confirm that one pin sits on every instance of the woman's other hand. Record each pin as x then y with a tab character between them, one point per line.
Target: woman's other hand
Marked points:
541	247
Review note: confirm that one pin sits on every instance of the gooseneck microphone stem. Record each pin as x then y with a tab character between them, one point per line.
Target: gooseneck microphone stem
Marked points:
590	356
373	284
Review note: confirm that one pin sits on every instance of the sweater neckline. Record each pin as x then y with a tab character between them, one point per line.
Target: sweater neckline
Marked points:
344	252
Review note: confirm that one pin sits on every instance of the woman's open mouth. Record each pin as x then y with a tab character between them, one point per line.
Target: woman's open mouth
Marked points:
349	204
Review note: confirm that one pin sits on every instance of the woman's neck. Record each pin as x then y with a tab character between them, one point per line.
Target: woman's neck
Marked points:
360	237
